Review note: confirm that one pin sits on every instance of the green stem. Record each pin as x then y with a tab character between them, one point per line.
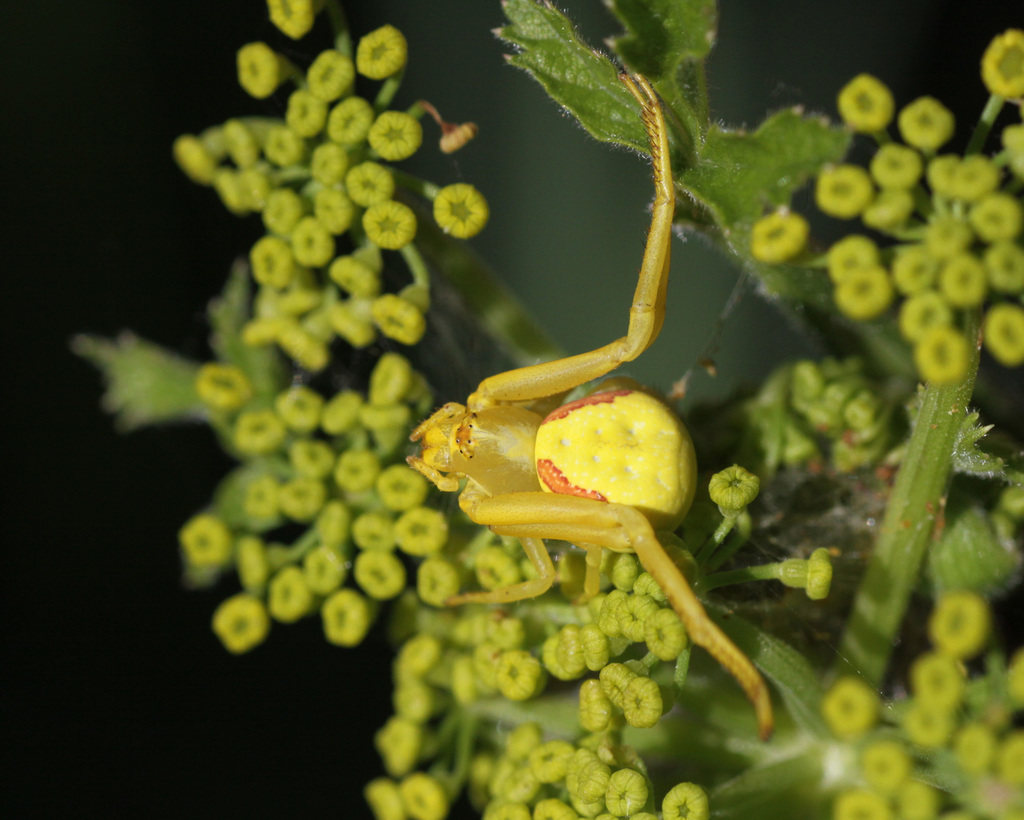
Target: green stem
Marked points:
420	187
985	123
913	514
339	25
387	91
764	572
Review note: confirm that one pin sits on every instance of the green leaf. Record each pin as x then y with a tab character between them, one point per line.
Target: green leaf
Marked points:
228	314
667	41
583	80
998	457
786	787
146	383
970	554
740	174
794	677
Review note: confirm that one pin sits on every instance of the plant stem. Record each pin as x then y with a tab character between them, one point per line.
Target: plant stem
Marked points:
985	123
913	517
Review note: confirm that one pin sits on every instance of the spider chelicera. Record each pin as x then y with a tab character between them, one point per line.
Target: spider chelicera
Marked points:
602	472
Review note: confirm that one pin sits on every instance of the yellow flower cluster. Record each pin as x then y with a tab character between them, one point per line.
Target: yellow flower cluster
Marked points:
537	779
955	224
332	468
944	247
965	727
321	180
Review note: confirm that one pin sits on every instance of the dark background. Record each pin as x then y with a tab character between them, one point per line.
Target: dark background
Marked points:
116	697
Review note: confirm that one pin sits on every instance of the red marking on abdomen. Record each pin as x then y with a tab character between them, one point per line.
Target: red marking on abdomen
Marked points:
595	398
555	480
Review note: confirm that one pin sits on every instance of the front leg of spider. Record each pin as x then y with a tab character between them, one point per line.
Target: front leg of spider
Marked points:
601	472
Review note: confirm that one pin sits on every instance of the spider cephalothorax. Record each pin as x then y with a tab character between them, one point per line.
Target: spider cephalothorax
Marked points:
602	472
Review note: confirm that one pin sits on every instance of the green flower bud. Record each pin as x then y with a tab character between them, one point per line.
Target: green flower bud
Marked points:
549	761
733	489
519	675
626	792
665	634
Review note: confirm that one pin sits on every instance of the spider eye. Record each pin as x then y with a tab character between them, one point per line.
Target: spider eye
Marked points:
464	435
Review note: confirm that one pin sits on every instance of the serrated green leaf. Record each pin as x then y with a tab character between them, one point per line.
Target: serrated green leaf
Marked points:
977	453
575	75
740	174
228	313
667	41
146	383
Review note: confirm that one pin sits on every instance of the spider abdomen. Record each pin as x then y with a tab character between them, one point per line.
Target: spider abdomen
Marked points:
622	446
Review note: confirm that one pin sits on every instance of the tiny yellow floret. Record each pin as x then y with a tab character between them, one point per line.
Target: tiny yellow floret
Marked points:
222	387
194	159
850	707
843	191
960	624
381	53
1002	65
852	252
347	617
926	124
330	75
241	623
1003	334
423	797
306	114
369	183
779	237
398	318
260	69
395	135
942	355
349	121
390	225
864	294
293	17
866	104
461	210
206	541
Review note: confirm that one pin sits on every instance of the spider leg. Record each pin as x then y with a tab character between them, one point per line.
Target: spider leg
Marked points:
647	312
539	556
621	528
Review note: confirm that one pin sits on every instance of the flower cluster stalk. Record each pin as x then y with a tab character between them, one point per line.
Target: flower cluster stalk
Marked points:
914	517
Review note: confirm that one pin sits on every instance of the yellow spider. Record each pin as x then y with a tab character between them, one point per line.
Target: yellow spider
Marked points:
602	472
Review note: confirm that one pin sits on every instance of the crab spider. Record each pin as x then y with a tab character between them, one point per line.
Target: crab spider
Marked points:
602	472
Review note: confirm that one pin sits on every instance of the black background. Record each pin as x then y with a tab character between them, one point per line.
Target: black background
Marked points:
116	697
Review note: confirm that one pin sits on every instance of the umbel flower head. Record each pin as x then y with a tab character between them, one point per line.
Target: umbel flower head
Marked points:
966	723
943	256
323	181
